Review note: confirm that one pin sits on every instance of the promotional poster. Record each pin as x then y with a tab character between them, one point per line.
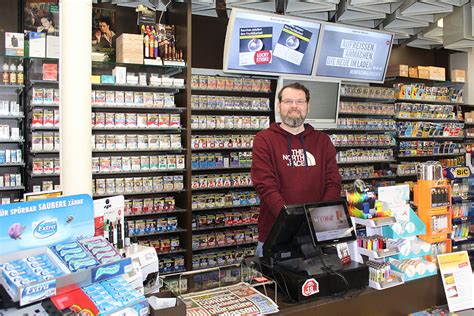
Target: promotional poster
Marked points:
42	16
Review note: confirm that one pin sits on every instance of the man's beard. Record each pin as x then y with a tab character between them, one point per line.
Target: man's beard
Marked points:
293	121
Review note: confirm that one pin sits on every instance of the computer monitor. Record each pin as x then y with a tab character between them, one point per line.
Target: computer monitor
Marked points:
329	223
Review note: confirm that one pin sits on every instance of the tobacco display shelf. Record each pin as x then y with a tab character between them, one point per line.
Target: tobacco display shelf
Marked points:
144	128
137	193
176	210
365	146
354	129
400	157
181	250
137	150
3	140
230	110
217	149
44	128
224	207
428	119
12	188
12	117
171	273
137	171
200	229
45	105
137	87
12	86
166	232
111	64
431	137
364	161
225	246
39	81
428	101
54	151
134	107
367	99
226	129
219	168
378	115
370	178
223	188
12	164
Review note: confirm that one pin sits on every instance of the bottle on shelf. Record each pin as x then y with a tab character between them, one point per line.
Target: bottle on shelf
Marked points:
6	74
20	77
12	74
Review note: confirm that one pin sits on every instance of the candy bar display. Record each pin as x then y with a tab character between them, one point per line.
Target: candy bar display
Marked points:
425	111
225	218
135	120
355	155
150	205
225	238
132	99
420	91
155	184
205	82
120	164
221	141
362	91
220	180
212	102
424	148
239	198
115	295
366	140
366	124
122	142
430	129
229	122
221	160
367	108
152	226
221	258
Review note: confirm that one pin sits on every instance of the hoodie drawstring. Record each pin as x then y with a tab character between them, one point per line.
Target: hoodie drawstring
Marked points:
289	150
304	151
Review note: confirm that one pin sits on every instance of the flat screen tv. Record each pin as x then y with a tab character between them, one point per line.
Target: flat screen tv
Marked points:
323	103
265	43
353	54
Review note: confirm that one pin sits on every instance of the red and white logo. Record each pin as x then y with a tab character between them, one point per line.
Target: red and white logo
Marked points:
263	57
310	287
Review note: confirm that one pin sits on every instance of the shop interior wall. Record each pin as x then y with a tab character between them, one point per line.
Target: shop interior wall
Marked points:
9	17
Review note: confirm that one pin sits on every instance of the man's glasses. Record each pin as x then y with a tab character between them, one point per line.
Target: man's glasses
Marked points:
290	102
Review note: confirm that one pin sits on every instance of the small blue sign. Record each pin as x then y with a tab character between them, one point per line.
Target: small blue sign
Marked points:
111	270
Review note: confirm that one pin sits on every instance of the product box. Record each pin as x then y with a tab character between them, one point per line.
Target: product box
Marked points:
437	73
130	48
14	44
36	44
458	75
413	72
50	72
423	72
397	71
120	74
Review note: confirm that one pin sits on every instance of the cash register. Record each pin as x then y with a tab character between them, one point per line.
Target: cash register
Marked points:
300	251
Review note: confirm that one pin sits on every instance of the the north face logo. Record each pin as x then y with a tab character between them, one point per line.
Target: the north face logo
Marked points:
297	158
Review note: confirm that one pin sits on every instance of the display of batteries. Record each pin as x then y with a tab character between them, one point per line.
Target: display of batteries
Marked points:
221	141
360	172
430	129
150	205
46	166
362	140
220	258
420	91
225	218
229	199
369	108
206	181
224	238
42	96
10	180
406	168
206	82
152	226
164	244
9	133
425	111
213	102
135	120
229	122
427	148
137	163
170	263
11	108
132	99
137	185
46	141
354	155
362	91
44	118
11	156
135	142
209	160
366	124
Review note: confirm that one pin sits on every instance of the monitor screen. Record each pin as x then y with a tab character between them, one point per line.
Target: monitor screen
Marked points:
353	54
329	222
267	43
323	103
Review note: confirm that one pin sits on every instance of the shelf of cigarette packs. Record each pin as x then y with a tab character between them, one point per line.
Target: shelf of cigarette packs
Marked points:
11	129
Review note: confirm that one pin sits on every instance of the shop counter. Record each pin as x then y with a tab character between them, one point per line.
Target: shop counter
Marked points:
400	300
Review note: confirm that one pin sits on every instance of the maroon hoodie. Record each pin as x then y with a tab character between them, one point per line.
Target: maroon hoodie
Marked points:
292	169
